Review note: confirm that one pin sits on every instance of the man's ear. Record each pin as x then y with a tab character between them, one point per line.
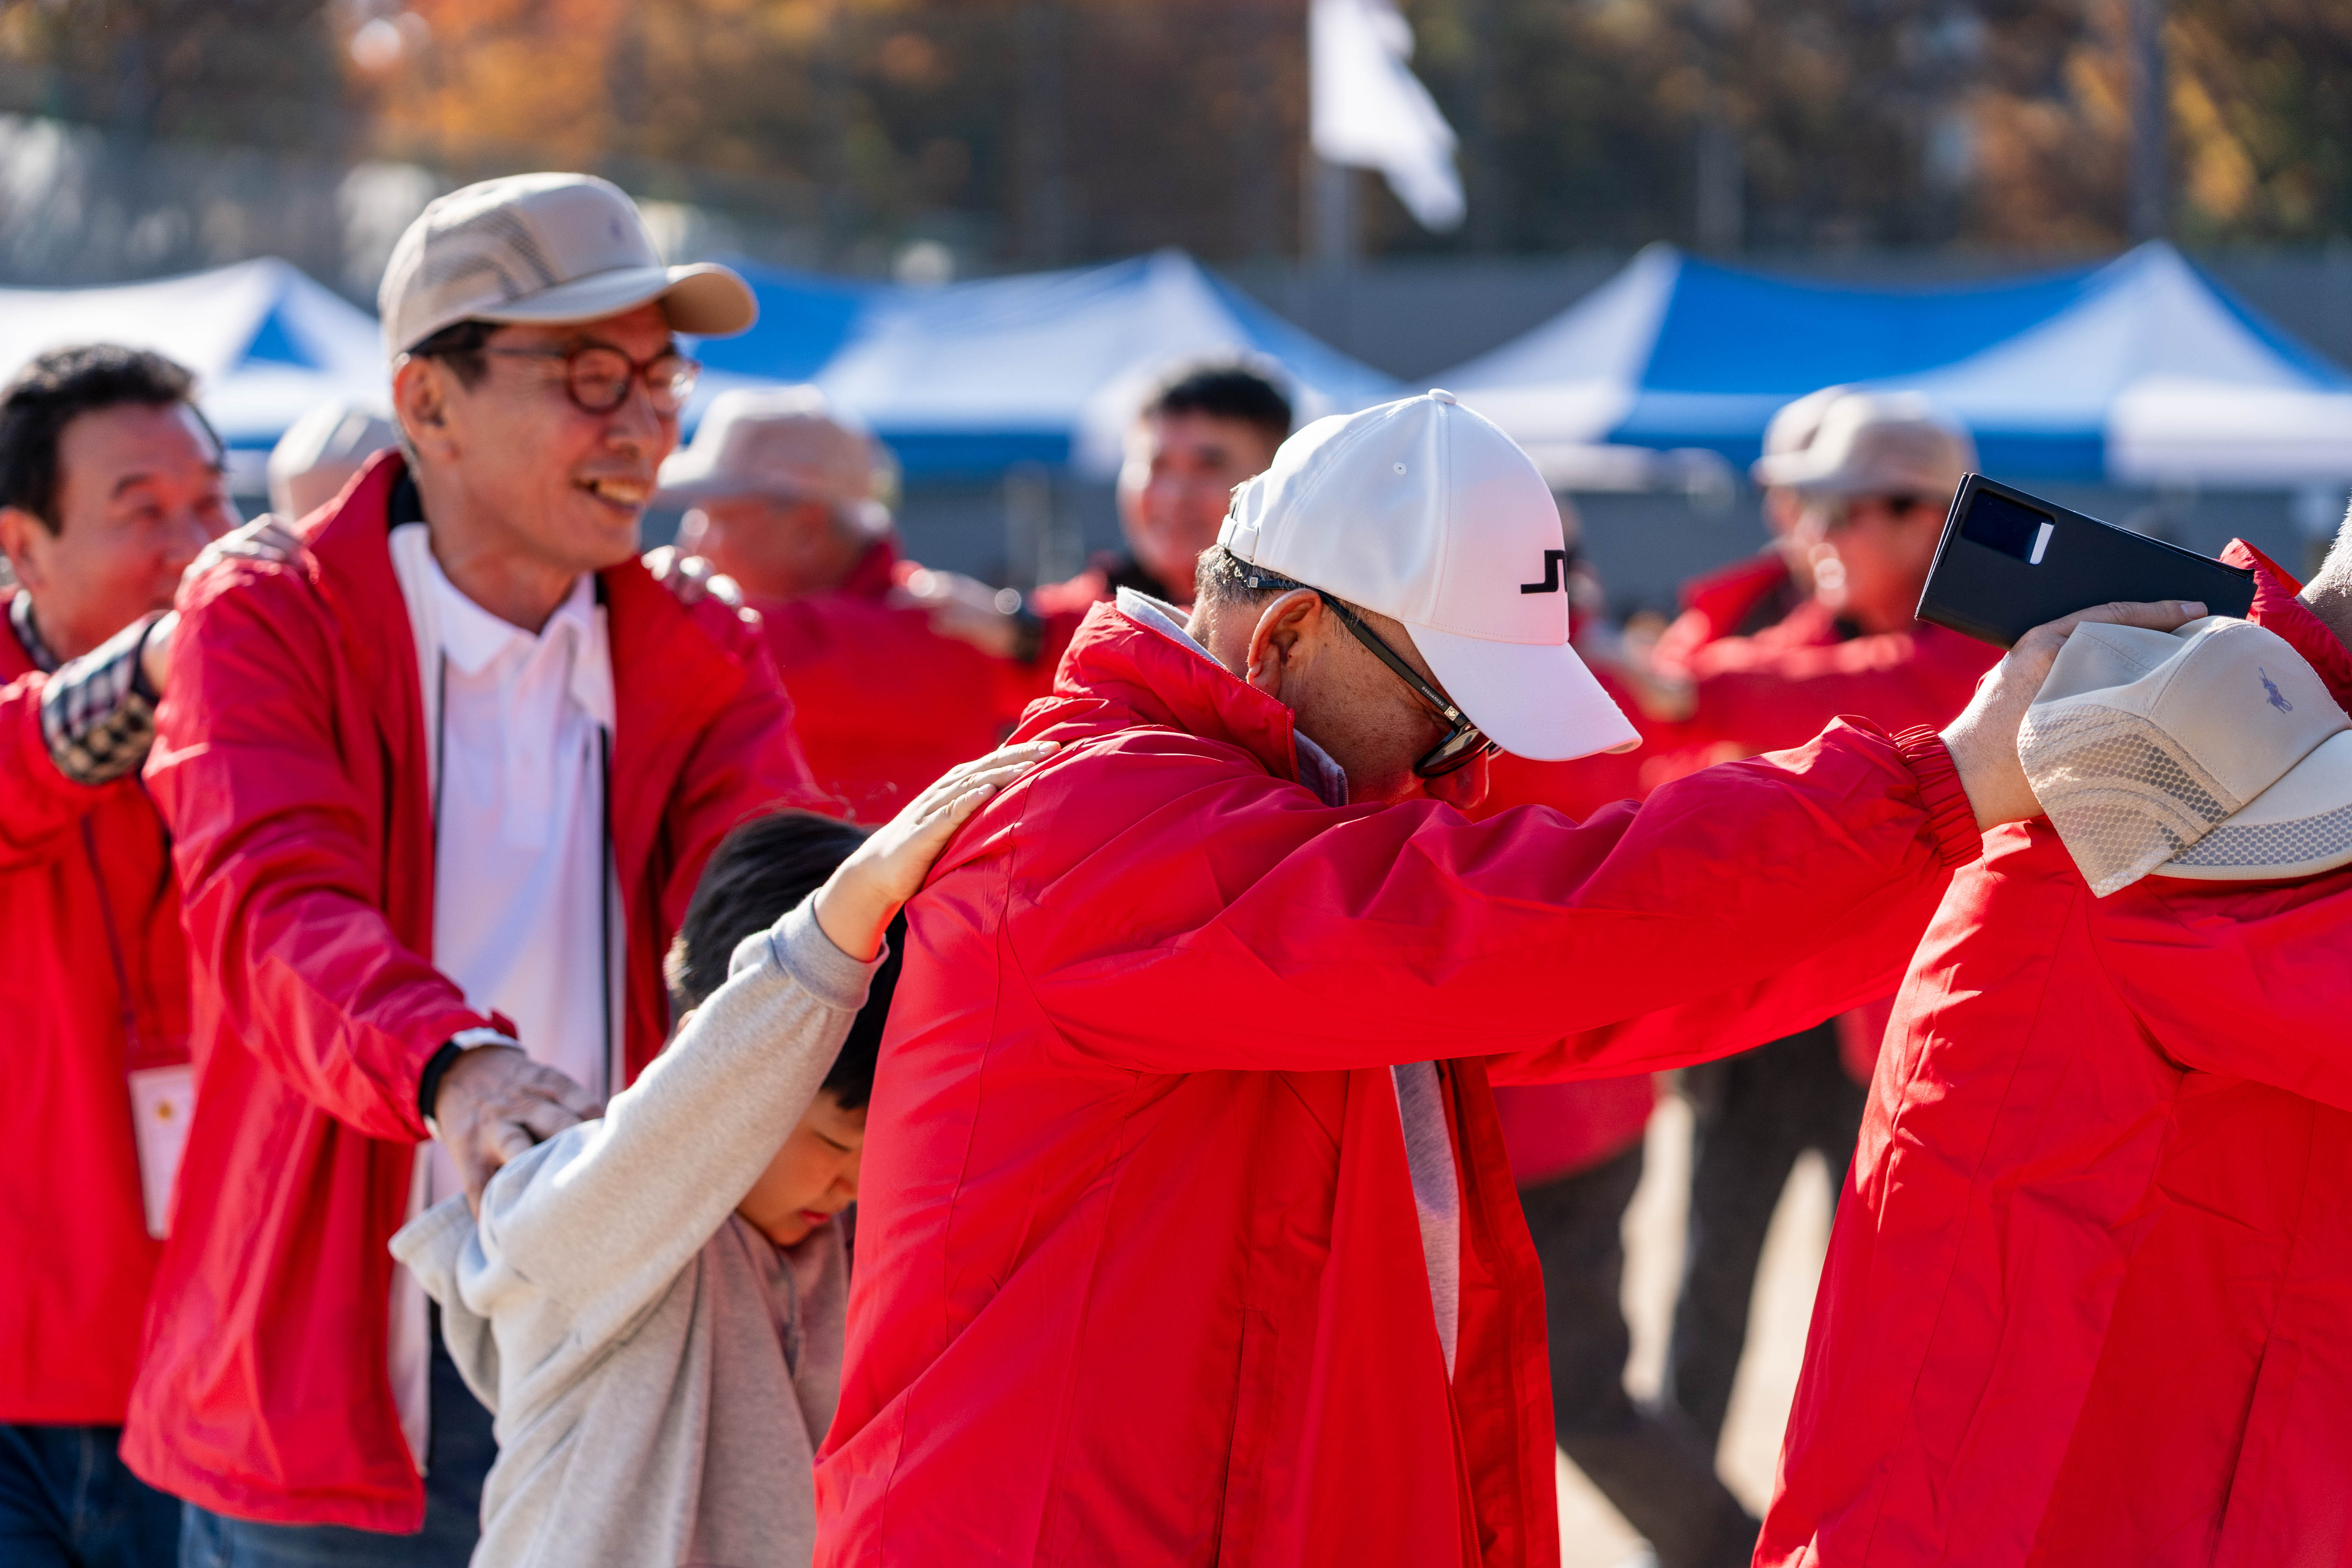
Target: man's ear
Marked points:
1275	642
420	393
21	535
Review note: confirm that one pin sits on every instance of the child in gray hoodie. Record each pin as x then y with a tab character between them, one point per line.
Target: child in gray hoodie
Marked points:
652	1302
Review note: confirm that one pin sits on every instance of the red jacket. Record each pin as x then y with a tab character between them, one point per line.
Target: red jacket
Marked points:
2087	1300
883	704
1556	1130
95	986
1139	1273
290	762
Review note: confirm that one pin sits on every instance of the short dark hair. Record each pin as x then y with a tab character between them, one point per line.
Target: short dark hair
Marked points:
48	394
1224	578
756	876
461	345
1225	390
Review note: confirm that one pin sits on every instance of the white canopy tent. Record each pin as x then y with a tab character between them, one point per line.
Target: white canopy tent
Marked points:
266	343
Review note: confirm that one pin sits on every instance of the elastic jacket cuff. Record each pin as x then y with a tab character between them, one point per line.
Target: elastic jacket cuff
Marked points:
1951	820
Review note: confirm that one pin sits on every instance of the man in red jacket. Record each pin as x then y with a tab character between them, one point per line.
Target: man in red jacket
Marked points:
1178	1245
2086	1299
783	497
439	787
110	484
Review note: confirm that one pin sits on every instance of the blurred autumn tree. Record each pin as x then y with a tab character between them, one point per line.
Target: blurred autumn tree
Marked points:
1025	132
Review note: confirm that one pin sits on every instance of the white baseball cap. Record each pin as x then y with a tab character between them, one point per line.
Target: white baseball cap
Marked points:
1427	513
544	248
2212	753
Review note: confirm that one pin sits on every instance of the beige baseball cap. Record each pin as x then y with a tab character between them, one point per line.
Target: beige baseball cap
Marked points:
2212	752
1876	443
789	443
1794	425
1429	514
544	248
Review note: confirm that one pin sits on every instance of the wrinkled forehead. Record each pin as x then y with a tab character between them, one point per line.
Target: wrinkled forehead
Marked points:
126	442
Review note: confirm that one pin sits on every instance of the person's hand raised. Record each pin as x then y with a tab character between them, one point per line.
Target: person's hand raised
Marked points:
1983	739
855	907
267	538
494	1103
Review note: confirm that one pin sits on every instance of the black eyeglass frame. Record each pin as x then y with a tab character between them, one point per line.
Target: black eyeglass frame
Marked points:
680	387
1463	743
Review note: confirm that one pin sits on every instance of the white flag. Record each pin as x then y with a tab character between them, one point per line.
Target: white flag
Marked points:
1370	112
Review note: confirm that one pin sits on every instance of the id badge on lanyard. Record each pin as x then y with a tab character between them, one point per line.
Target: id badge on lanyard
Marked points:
162	1096
162	1103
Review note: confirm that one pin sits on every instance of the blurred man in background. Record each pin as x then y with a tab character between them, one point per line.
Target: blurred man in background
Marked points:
322	452
439	788
110	483
1203	430
786	503
1870	491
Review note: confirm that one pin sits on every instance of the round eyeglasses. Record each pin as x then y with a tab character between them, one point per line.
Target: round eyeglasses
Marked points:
597	376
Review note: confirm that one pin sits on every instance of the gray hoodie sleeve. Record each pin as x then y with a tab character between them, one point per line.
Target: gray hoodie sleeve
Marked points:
602	1216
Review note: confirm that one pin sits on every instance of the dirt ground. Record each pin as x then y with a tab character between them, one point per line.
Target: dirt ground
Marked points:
1591	1533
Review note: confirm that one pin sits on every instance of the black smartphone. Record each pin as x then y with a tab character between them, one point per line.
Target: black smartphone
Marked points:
2009	562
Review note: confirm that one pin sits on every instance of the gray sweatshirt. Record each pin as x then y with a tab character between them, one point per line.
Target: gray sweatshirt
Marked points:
661	1372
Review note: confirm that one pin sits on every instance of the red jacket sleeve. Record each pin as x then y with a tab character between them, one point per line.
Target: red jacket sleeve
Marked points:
39	804
280	877
1280	934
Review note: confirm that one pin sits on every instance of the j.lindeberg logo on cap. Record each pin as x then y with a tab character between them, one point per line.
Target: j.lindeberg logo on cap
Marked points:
1553	561
2278	698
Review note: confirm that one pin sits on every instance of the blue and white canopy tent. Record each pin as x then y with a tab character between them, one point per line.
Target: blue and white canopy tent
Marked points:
266	343
2142	371
974	378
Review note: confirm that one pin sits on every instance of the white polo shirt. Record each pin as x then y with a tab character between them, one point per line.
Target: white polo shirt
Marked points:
526	915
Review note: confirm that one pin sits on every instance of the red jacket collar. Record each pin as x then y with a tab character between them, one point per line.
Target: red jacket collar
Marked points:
1144	677
669	674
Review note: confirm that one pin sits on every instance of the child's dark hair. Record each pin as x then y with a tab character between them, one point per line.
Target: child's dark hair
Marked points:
756	875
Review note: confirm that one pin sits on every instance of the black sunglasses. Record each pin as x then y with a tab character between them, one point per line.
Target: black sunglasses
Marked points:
1463	743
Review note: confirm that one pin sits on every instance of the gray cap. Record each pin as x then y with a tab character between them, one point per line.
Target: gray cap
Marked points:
319	453
544	248
1872	443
